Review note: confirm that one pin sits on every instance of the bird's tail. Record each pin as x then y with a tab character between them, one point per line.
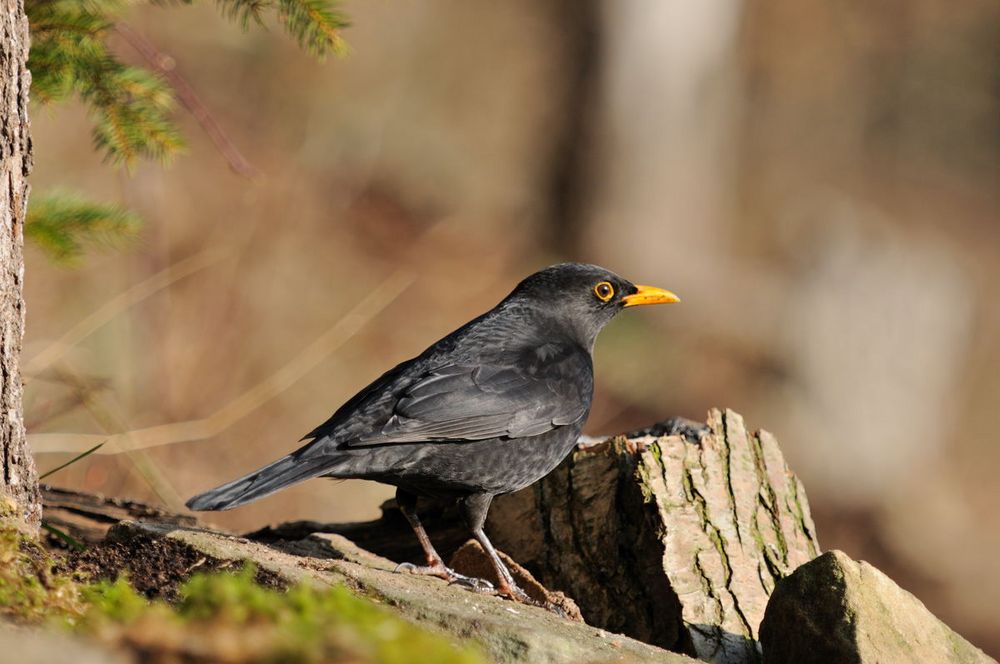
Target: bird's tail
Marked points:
286	471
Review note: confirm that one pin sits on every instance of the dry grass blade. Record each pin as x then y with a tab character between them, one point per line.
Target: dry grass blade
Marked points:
342	331
137	293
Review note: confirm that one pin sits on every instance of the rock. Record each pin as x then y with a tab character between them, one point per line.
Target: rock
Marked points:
834	610
508	632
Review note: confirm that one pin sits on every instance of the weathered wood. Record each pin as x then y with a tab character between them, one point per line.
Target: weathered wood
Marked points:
646	533
389	536
19	497
87	517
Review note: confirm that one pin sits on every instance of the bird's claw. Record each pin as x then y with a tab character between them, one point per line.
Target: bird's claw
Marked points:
509	591
438	570
451	576
471	583
515	593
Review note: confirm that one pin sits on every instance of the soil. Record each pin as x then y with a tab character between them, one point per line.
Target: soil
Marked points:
155	567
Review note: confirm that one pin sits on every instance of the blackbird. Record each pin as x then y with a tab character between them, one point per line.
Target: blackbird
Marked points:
489	409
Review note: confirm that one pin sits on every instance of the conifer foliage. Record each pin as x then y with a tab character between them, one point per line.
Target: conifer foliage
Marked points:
130	107
62	224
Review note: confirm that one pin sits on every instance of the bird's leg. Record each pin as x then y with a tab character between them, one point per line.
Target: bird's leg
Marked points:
474	509
435	564
508	587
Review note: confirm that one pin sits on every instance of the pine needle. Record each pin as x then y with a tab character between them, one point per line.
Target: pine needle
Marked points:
315	24
63	224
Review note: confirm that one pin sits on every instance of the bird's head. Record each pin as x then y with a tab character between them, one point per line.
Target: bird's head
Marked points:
584	298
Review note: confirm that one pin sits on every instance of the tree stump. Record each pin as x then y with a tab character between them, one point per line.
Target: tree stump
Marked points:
673	542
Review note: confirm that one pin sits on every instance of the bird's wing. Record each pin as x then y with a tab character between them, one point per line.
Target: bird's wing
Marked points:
527	395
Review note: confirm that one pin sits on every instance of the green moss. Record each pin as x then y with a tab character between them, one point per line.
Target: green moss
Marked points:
228	616
219	617
29	590
116	602
657	453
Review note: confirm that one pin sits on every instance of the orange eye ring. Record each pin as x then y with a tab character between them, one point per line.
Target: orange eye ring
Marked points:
604	291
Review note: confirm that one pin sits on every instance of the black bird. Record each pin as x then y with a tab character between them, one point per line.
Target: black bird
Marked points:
487	410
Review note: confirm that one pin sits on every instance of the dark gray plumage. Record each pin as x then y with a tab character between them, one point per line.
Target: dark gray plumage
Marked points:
489	409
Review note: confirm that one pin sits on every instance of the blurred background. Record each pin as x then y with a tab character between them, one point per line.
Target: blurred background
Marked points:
817	180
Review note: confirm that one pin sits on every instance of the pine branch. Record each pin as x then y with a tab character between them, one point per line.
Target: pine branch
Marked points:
60	43
131	106
244	12
315	24
131	109
63	224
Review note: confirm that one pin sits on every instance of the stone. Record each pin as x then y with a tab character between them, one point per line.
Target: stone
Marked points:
833	610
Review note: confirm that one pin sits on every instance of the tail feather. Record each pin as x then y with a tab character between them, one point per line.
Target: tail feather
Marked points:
284	472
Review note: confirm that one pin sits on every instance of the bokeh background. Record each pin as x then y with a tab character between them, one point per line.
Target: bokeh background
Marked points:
817	180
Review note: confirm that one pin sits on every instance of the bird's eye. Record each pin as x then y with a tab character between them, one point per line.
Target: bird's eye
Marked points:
604	291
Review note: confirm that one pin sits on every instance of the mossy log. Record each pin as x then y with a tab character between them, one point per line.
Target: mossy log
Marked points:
507	633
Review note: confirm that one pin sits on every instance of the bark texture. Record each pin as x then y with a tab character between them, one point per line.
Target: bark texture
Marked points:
19	497
670	541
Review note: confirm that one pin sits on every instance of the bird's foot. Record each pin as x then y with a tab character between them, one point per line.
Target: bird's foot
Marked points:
471	583
437	569
442	571
675	426
513	592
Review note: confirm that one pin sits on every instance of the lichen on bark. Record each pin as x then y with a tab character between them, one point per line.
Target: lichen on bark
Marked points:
699	533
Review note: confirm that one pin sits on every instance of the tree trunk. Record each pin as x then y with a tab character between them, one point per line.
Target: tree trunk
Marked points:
19	498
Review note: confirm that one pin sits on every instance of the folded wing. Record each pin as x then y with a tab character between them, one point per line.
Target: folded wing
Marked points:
542	390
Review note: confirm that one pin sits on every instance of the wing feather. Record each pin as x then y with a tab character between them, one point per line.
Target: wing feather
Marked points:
528	395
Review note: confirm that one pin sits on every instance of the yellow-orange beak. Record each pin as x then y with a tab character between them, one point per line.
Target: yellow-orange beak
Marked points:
649	295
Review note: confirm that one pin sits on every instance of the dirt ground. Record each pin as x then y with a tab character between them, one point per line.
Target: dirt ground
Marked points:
155	567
